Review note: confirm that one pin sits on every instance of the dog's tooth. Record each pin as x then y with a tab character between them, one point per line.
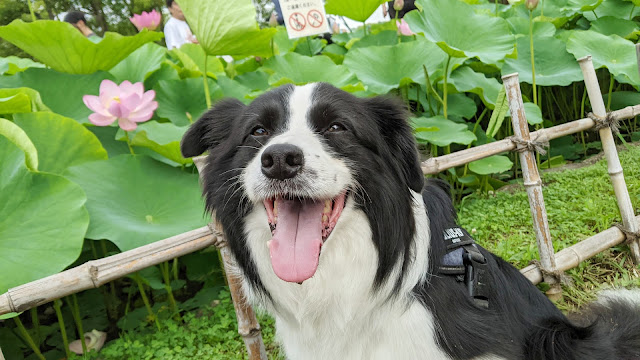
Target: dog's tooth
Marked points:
275	208
327	206
325	218
268	243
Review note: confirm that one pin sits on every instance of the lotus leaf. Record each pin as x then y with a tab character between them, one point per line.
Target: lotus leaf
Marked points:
520	27
466	80
620	9
230	88
491	165
382	68
387	37
34	205
613	52
358	10
20	100
135	200
448	131
300	69
609	25
192	57
59	45
533	113
281	42
61	142
140	63
256	80
227	27
13	64
461	32
310	47
335	52
50	85
163	138
181	101
17	136
554	66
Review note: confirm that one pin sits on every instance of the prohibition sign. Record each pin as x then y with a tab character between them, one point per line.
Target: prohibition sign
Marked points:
297	21
315	18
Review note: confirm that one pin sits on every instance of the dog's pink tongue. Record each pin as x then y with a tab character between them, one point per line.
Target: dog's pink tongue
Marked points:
296	242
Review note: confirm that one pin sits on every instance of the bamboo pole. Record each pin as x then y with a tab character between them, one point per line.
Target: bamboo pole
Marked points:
533	185
441	163
1	356
248	326
613	162
570	257
95	273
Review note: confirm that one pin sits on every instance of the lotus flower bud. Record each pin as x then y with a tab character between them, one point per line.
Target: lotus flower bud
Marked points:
531	4
398	5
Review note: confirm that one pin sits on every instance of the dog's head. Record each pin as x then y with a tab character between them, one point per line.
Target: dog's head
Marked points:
307	155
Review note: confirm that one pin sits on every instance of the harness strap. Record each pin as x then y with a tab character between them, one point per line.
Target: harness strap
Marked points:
465	261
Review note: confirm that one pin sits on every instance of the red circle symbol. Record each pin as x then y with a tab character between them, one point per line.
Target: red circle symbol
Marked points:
297	21
315	18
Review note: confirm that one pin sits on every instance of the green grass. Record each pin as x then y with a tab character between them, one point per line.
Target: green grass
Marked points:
579	203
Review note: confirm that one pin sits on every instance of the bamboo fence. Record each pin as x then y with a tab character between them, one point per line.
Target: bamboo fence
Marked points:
95	273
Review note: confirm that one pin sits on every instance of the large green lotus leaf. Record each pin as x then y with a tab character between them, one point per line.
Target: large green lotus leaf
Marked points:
622	99
192	57
255	80
300	69
335	52
461	32
20	100
281	42
382	38
610	25
532	113
167	71
182	101
134	200
442	132
140	63
520	27
554	65
19	138
42	220
163	138
62	93
12	64
464	79
358	10
382	68
613	52
620	9
582	5
227	87
491	165
61	142
310	47
59	45
227	27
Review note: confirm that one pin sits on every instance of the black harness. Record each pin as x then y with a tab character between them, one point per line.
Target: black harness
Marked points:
465	261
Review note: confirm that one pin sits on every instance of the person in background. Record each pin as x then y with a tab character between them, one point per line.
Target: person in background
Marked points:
177	31
77	19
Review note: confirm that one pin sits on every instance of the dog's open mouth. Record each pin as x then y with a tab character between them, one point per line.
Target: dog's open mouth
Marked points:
300	227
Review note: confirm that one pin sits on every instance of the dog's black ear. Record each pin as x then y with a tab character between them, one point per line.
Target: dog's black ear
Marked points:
212	128
392	118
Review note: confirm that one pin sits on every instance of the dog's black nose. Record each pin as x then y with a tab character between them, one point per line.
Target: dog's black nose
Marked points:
282	161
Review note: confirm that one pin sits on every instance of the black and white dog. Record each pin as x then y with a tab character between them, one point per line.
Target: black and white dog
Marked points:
340	238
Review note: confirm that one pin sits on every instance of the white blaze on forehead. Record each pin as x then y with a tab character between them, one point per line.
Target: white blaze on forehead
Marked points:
300	101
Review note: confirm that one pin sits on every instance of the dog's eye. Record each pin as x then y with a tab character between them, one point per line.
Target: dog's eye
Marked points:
259	131
336	127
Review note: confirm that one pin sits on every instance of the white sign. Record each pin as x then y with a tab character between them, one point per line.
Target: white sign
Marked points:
304	17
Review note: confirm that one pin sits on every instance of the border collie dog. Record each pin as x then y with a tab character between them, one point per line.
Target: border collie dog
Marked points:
340	238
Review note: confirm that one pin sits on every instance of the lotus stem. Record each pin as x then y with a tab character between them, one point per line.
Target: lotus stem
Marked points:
364	28
533	66
175	269
444	90
27	337
164	268
611	82
594	13
63	329
129	143
430	88
207	95
145	300
33	14
75	311
36	323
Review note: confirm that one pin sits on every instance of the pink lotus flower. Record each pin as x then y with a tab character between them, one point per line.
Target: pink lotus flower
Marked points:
128	103
403	28
146	20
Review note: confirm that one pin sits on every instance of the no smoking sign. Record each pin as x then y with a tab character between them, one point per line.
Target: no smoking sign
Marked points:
304	17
